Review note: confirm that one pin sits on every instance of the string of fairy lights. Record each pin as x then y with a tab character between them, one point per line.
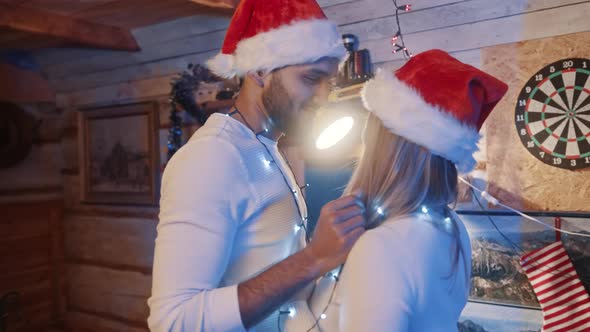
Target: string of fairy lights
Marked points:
291	313
397	41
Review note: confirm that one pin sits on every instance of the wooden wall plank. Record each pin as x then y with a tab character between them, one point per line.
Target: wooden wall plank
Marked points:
119	242
363	10
124	283
87	322
36	306
454	14
28	253
142	90
327	3
470	57
12	279
35	293
40	168
152	69
29	259
119	294
35	318
129	309
57	255
510	29
20	227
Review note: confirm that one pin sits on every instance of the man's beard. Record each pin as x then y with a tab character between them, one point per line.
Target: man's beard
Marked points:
281	109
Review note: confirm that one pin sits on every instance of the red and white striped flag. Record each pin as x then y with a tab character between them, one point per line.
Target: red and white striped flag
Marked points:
563	298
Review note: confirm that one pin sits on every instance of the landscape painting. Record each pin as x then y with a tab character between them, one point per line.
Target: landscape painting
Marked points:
496	273
119	154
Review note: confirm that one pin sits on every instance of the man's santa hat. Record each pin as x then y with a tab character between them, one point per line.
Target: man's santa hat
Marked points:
437	102
270	34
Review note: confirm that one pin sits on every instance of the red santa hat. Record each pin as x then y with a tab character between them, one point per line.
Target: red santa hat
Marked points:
437	102
269	34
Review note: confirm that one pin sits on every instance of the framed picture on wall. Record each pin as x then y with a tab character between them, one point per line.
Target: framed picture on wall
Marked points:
495	318
496	274
119	154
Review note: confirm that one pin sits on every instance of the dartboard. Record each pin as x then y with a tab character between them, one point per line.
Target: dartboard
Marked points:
553	114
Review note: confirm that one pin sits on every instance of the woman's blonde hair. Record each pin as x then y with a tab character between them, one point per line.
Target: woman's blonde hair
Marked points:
397	177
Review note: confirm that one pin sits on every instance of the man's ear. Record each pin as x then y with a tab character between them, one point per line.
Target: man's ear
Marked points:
258	77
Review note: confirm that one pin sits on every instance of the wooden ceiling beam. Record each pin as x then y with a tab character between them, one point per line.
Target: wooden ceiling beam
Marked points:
225	4
73	30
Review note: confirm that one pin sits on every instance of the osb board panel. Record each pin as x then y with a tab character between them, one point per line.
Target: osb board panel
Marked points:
514	175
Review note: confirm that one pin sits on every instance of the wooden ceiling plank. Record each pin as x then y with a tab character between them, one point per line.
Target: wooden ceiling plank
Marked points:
225	4
126	13
68	28
167	14
64	7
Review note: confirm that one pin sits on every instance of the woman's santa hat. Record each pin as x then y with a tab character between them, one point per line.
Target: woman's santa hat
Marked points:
270	34
437	102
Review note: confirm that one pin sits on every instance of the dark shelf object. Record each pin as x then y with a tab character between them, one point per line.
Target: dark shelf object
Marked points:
183	94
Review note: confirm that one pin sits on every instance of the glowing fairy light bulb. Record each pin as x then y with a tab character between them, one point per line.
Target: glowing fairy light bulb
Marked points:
380	210
323	316
424	209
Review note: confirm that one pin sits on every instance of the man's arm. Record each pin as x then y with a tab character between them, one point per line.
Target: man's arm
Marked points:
340	225
196	233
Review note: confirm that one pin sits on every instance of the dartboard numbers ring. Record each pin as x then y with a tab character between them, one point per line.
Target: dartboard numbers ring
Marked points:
553	114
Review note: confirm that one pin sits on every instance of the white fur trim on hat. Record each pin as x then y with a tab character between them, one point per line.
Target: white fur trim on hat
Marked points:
405	113
298	43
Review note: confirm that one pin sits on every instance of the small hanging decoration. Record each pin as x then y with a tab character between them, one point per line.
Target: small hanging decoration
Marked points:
185	87
397	41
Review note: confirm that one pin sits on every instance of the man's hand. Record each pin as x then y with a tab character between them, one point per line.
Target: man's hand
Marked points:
341	223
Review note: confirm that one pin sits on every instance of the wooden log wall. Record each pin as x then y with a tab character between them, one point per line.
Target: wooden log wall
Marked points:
31	264
109	250
37	177
31	228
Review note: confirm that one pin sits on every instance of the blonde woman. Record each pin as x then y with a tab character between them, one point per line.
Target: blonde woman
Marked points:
411	270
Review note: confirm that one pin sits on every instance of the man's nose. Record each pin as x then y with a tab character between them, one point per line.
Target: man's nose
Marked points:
322	93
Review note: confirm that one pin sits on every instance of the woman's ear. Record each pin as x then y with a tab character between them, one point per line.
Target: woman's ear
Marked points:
257	77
